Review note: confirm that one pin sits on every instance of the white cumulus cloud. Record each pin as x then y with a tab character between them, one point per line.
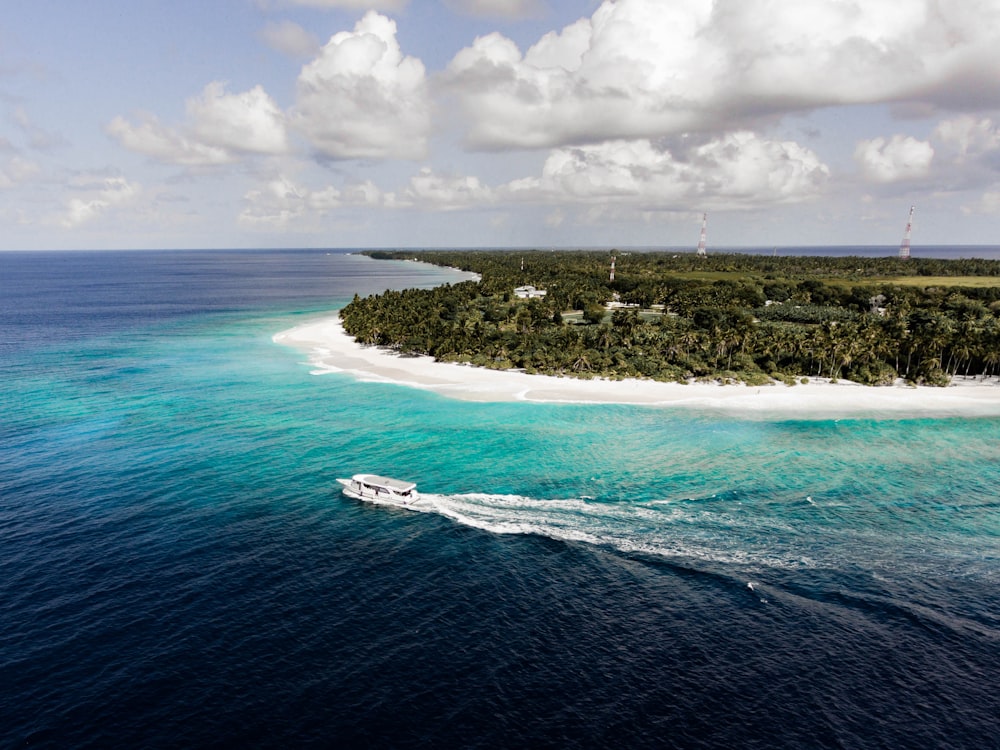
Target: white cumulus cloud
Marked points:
969	146
247	122
277	204
735	171
281	202
97	199
361	98
648	68
738	170
165	144
898	158
221	127
444	192
969	136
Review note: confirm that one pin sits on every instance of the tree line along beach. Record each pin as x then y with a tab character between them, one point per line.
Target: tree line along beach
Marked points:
786	334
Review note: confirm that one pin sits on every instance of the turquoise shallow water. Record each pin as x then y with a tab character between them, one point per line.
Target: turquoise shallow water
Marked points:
177	567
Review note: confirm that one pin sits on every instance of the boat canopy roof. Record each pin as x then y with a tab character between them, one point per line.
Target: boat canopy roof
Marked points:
374	480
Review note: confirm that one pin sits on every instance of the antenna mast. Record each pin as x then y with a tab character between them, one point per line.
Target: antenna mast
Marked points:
904	248
701	239
612	269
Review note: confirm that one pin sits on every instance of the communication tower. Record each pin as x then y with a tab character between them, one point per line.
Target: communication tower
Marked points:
904	248
612	269
701	239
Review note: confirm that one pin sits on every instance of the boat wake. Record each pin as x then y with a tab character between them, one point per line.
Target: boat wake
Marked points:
659	528
718	530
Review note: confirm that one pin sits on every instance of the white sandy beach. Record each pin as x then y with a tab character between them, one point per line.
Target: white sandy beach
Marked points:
331	350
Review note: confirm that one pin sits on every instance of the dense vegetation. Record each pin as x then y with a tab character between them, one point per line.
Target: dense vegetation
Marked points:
677	316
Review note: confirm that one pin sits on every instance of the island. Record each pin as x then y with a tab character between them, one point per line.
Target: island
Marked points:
682	317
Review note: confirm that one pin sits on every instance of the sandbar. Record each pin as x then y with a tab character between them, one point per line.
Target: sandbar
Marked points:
331	350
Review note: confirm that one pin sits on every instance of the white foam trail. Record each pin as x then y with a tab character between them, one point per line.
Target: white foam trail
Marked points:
656	528
706	530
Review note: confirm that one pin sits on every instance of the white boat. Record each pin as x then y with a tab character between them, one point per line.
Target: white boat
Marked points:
376	489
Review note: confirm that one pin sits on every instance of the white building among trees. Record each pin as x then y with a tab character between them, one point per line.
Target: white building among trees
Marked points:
528	292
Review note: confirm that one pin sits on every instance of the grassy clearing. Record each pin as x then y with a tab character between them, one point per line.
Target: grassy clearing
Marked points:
712	275
978	282
920	282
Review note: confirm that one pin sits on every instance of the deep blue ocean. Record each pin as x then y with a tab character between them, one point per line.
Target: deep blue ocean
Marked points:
178	569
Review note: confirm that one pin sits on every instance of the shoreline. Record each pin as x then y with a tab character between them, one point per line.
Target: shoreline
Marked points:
331	350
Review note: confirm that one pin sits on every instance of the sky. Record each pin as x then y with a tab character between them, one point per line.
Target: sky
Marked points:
498	123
